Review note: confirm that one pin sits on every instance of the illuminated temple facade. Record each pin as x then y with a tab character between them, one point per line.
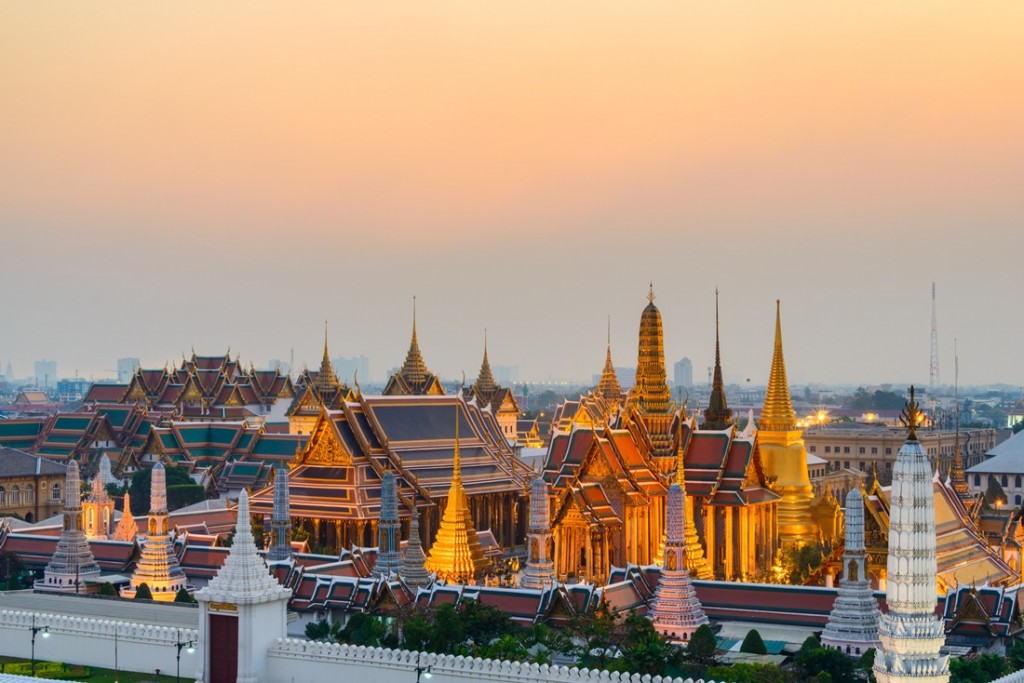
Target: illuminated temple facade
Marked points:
609	471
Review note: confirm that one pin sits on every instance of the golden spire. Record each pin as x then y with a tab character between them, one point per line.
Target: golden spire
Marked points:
777	414
609	386
680	467
650	293
910	416
326	380
956	468
650	390
485	386
456	555
414	370
717	415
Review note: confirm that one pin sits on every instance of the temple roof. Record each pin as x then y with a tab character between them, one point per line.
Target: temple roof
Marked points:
650	390
414	378
717	415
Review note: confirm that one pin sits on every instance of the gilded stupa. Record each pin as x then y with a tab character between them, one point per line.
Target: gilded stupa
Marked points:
456	555
414	378
785	455
158	566
650	394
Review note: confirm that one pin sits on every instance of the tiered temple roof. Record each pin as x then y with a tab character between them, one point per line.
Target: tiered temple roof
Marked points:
414	378
717	415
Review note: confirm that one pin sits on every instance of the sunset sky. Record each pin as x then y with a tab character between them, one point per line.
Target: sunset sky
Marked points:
230	174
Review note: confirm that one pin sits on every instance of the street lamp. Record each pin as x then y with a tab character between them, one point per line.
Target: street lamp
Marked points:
36	629
189	646
420	669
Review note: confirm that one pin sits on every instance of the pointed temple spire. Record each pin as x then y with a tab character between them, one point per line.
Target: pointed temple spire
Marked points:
609	386
389	552
778	414
413	571
695	560
281	519
956	467
676	611
456	555
326	380
98	511
413	378
127	529
784	452
853	623
72	563
158	566
485	387
910	633
717	415
539	571
244	577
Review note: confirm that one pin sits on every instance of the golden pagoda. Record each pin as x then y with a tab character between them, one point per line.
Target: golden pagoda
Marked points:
785	456
650	394
609	386
456	555
327	383
414	378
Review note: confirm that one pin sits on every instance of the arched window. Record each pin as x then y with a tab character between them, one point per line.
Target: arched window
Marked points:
1016	499
977	480
15	496
3	496
1004	481
55	493
1016	481
30	494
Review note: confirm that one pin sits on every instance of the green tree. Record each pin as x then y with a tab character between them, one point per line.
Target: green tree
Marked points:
745	672
753	643
183	596
506	647
981	669
644	650
12	572
323	631
447	632
181	490
108	590
416	633
1015	655
702	645
599	632
363	629
813	660
143	592
483	623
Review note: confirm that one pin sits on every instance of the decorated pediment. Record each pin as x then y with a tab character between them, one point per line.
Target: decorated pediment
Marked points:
136	392
325	446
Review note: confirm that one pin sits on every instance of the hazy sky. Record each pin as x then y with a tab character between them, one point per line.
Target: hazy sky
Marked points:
230	174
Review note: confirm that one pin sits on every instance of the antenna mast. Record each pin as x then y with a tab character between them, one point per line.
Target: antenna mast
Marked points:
933	371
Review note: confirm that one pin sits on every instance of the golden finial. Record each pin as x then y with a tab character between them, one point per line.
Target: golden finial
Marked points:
650	293
680	467
609	331
457	466
911	415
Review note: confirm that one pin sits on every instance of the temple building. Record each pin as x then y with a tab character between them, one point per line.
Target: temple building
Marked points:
158	566
784	453
676	611
650	395
456	555
539	571
489	395
911	634
316	389
335	478
389	551
72	565
853	623
414	379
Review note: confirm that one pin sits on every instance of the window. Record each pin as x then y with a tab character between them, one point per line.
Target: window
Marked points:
1016	499
30	494
846	449
846	464
861	465
1002	480
874	450
977	480
15	496
55	493
861	450
828	449
888	451
1016	481
3	496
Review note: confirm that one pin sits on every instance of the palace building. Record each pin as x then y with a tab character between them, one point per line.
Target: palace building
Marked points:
414	379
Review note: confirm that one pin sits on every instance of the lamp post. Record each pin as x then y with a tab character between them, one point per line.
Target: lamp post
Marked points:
36	629
117	669
420	669
189	646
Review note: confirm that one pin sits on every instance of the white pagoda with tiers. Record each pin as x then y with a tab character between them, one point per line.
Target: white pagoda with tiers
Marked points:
242	611
72	563
539	571
910	632
676	611
853	623
158	566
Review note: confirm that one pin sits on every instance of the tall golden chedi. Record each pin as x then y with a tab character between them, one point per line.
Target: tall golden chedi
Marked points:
456	555
650	394
785	455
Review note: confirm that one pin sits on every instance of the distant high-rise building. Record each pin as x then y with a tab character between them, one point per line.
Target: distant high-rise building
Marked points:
346	369
46	373
126	368
684	373
277	364
9	375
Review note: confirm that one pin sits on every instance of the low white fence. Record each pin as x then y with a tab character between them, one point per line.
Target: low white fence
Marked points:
303	661
91	642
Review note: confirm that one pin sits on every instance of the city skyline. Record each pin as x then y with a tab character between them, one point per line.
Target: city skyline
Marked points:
228	178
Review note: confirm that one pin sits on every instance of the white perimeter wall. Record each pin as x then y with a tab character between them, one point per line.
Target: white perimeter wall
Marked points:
303	661
79	640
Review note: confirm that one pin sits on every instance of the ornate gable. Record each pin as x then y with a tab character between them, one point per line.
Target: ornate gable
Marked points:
325	446
136	392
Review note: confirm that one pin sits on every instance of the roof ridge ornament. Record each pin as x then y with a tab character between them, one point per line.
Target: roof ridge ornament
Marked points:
910	416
